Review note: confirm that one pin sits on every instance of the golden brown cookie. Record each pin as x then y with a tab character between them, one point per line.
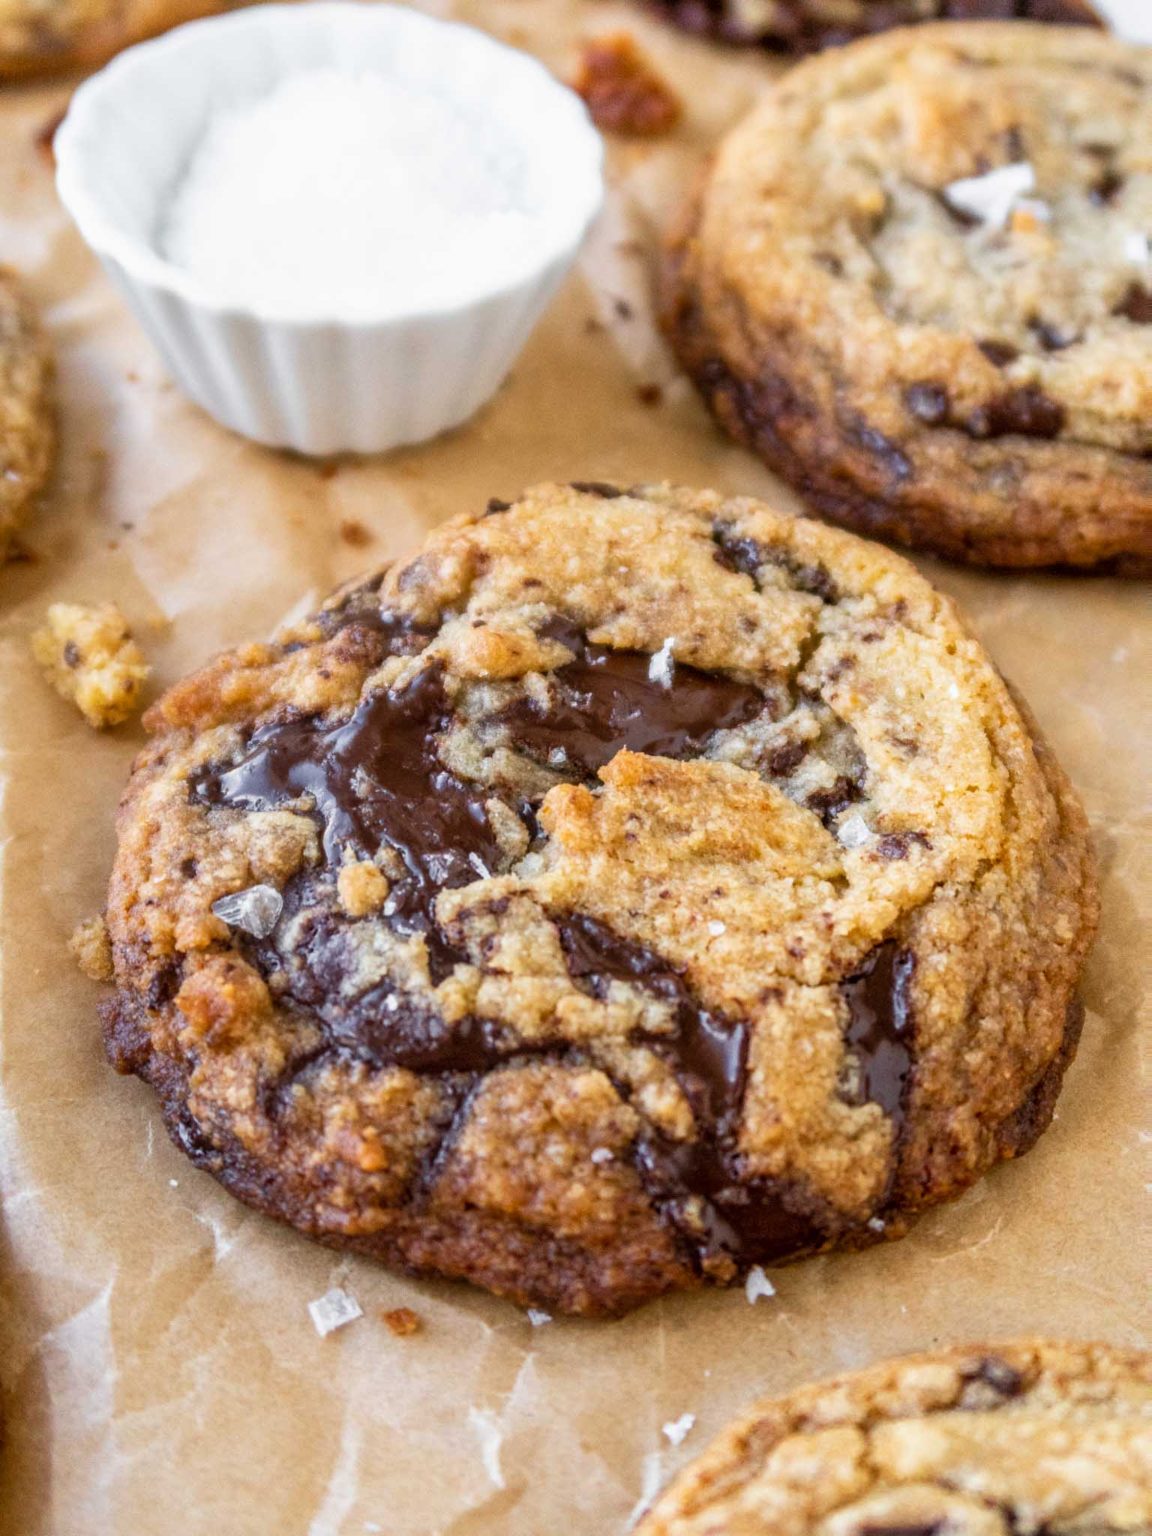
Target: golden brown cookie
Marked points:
917	282
27	422
629	888
45	37
805	26
1033	1437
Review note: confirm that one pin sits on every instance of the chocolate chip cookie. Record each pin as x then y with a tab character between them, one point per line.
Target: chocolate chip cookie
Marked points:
1035	1436
805	26
917	281
630	888
44	37
27	423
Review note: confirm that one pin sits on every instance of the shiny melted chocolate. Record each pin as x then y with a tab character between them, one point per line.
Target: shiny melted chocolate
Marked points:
880	1022
604	702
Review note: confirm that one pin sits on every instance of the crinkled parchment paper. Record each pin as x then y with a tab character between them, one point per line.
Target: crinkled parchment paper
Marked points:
160	1373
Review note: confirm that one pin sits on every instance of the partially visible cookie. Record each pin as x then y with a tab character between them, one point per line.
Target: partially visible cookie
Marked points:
917	281
806	26
44	37
629	888
27	422
1032	1437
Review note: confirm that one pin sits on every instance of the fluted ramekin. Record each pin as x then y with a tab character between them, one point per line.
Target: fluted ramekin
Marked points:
329	383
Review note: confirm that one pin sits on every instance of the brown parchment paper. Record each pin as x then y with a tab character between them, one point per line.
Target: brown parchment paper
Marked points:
158	1367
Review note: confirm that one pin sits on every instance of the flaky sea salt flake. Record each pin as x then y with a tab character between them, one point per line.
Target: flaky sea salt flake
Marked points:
1137	248
677	1430
757	1284
335	1309
256	910
537	1318
602	1155
854	831
716	928
992	197
662	664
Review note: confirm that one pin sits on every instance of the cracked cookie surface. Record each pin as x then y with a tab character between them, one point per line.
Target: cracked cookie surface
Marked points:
27	421
1034	1436
629	888
805	26
45	37
968	376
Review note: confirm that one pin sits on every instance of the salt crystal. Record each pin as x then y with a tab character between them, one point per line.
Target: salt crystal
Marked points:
336	1309
992	197
602	1155
256	910
662	665
538	1318
361	191
757	1284
854	831
680	1428
1137	248
716	928
875	1224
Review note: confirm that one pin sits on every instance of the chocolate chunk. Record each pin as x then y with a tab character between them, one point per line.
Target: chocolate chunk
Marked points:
599	488
376	781
1136	305
895	845
1005	1380
1026	412
495	505
828	803
605	700
999	353
748	1222
1106	188
894	463
1051	337
927	402
880	1023
736	552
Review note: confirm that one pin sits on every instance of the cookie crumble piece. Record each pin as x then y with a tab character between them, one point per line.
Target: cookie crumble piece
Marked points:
91	948
402	1322
623	92
90	658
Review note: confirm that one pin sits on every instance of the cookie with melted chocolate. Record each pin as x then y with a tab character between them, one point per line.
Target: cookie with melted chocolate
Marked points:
630	888
982	1441
916	282
806	26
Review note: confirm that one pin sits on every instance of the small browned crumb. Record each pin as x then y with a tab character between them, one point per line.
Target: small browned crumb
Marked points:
353	532
92	949
623	92
90	658
362	888
402	1322
650	394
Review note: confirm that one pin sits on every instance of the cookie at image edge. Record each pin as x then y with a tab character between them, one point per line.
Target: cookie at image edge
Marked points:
628	888
51	37
979	1441
980	387
806	26
27	411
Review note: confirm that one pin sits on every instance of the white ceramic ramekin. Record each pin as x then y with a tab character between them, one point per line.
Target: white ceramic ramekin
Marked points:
328	384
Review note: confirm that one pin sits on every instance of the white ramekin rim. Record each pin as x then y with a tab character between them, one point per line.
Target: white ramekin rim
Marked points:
78	140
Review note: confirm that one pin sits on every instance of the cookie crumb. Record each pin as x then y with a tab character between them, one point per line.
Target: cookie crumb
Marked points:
650	394
335	1309
623	92
537	1318
362	888
256	910
679	1429
90	658
402	1322
757	1284
92	949
355	534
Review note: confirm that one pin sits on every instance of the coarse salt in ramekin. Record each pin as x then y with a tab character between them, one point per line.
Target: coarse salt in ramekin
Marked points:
346	378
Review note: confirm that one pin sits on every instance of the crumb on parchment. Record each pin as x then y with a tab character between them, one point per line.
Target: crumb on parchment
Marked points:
90	658
402	1321
623	92
92	949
